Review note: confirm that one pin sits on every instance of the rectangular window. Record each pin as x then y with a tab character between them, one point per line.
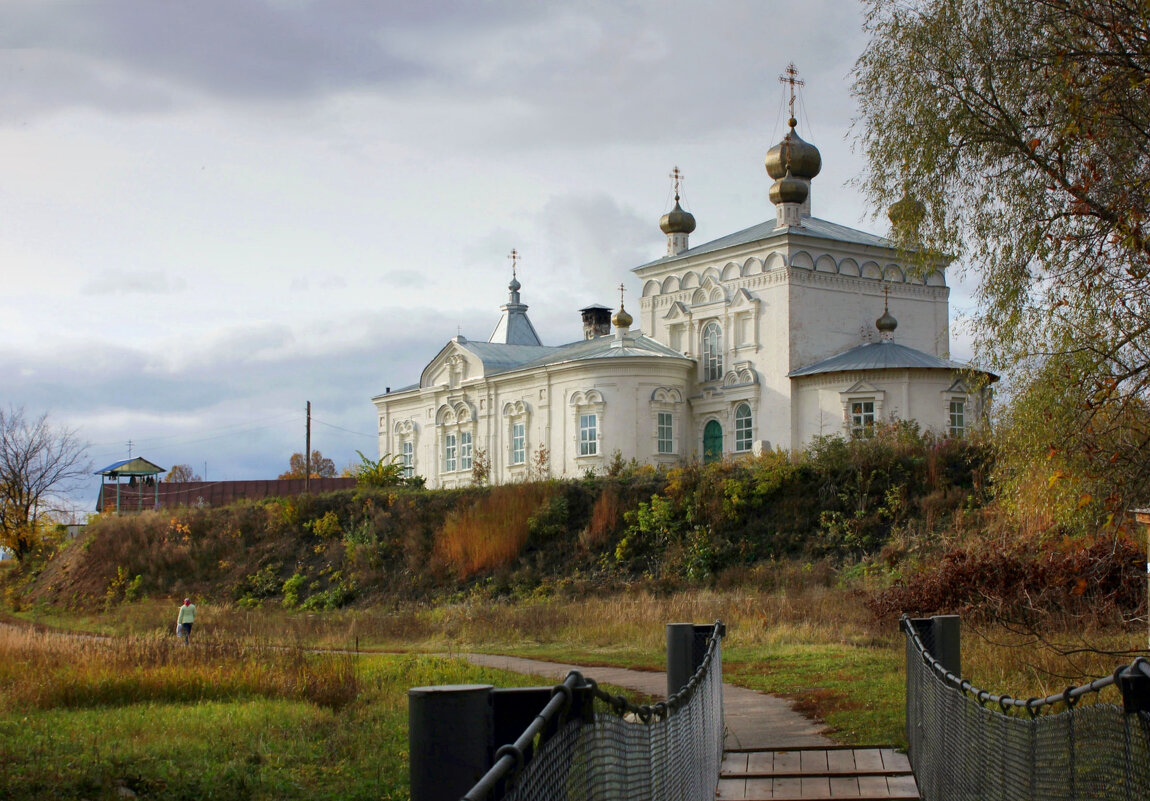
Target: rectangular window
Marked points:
957	418
743	428
862	417
518	443
449	453
588	435
408	458
665	433
465	450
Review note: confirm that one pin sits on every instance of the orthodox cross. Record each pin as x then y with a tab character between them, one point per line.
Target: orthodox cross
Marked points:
792	78
514	261
677	177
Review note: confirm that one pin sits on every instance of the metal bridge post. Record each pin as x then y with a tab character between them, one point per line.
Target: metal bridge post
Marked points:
449	732
680	656
947	642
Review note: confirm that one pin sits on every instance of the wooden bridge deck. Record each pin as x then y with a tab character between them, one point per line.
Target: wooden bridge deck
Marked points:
815	772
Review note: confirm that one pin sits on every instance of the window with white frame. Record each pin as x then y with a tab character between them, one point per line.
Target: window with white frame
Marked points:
408	450
518	442
449	446
743	428
712	352
957	421
862	417
465	450
665	432
588	434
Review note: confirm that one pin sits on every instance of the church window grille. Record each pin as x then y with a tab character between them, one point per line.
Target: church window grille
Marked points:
743	428
449	453
712	352
465	450
408	458
588	434
862	418
957	418
518	443
666	430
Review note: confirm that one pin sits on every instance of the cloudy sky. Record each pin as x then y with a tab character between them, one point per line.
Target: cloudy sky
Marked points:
212	212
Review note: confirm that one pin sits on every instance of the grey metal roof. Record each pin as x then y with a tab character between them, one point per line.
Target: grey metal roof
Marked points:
498	357
880	356
770	229
607	347
139	466
514	327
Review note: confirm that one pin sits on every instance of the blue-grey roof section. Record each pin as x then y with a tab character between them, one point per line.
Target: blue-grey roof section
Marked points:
608	347
770	229
137	466
880	356
498	357
514	327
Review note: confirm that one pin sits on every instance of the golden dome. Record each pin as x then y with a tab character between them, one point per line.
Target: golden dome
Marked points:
677	221
802	157
622	319
789	189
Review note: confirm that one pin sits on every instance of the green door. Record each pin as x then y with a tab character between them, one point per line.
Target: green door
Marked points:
712	442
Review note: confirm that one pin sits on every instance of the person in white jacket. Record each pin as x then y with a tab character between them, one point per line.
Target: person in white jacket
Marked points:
184	620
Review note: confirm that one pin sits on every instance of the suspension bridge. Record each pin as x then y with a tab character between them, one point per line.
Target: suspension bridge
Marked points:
708	740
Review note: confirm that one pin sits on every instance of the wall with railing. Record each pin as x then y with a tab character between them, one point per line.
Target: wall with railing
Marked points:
966	743
575	741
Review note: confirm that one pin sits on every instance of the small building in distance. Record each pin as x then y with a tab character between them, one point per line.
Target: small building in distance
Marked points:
144	490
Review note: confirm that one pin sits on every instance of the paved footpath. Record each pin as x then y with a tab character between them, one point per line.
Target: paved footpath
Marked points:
753	719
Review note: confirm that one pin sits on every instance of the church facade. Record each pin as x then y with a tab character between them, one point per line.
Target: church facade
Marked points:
761	339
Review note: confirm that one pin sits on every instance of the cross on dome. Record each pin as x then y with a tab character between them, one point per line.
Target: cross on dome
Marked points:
677	177
514	261
792	78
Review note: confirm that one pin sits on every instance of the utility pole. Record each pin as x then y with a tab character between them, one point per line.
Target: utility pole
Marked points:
307	454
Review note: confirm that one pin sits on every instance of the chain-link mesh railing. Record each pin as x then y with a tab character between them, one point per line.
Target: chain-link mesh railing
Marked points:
614	749
966	743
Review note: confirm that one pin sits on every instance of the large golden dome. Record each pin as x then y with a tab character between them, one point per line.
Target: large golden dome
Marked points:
802	157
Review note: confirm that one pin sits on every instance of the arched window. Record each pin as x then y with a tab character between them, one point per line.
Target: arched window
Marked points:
712	442
743	427
712	352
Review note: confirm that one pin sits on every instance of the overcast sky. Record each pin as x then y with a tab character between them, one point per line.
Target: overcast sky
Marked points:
212	212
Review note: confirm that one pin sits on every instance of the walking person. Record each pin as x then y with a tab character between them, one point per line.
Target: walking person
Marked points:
184	620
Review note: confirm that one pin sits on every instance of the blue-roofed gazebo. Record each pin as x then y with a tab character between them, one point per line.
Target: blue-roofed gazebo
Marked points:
132	469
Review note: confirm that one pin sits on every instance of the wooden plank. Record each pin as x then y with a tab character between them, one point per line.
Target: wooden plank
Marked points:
816	787
733	789
844	787
894	761
761	763
733	763
813	761
902	787
869	759
759	789
788	762
788	788
841	762
873	787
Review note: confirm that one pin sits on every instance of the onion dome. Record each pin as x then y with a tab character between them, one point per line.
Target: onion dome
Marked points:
789	189
907	211
514	286
677	221
622	319
801	157
886	324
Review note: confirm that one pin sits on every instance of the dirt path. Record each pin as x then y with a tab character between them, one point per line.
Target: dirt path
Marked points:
753	719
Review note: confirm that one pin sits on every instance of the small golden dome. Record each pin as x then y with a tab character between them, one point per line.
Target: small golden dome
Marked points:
906	211
677	221
789	189
622	319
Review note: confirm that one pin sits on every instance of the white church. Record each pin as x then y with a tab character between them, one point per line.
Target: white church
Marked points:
761	339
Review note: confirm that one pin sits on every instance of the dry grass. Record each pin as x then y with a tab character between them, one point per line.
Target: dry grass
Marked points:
490	532
48	669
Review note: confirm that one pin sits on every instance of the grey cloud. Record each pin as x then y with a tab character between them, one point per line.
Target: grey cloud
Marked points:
126	282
